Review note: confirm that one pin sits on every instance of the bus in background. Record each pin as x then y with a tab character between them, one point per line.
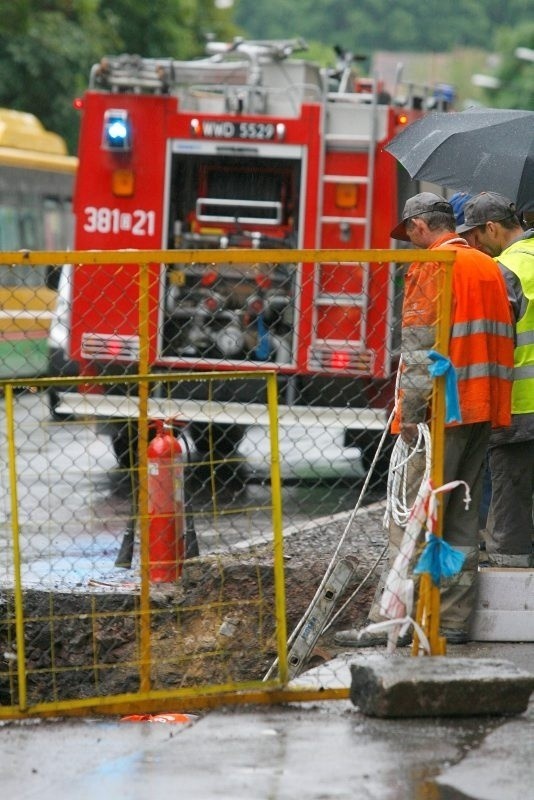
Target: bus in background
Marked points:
36	186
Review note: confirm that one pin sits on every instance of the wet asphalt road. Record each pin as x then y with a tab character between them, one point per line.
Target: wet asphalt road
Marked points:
72	517
319	751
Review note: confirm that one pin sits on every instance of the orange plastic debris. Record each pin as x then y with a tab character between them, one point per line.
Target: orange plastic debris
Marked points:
172	718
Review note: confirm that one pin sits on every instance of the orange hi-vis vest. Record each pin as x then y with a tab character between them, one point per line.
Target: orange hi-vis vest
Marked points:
481	344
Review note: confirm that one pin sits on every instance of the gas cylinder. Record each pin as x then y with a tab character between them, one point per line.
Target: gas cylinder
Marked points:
165	505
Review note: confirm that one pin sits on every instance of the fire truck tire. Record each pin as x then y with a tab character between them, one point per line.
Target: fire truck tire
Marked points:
124	444
382	465
53	399
217	444
369	443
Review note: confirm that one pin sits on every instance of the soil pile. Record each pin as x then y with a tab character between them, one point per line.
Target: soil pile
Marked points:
215	626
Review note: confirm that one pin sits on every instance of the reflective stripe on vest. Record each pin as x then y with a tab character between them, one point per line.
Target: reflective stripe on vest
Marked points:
520	373
484	370
482	326
525	338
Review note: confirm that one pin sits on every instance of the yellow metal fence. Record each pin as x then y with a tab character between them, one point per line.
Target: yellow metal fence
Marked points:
80	632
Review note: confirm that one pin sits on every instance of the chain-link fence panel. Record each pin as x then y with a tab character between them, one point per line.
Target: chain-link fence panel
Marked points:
126	576
108	592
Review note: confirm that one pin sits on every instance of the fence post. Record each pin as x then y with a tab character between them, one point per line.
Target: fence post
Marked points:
144	626
15	529
429	602
278	542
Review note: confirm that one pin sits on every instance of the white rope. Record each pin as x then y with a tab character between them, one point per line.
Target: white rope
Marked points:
396	500
333	560
395	628
397	507
396	497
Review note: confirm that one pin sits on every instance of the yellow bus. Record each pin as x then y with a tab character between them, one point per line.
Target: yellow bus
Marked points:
36	185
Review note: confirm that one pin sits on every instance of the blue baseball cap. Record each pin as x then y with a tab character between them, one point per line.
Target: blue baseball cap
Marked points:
458	201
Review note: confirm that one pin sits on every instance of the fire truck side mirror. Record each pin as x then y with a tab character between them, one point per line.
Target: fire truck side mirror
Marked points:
117	131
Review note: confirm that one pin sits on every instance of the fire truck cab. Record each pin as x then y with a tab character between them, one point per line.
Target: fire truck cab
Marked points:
253	148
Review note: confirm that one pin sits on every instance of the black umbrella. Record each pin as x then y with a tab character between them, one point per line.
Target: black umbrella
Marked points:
479	149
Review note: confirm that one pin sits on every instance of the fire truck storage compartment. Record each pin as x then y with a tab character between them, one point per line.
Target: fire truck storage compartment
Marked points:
350	125
218	200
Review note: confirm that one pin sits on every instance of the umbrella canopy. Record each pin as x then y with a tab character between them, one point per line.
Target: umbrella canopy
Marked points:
481	149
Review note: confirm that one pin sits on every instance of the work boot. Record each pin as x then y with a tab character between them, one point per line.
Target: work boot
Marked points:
353	638
455	635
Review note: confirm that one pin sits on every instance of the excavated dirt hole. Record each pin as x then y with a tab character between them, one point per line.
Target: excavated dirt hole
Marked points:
217	626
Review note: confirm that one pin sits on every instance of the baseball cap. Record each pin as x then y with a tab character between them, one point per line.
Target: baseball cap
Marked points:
419	204
458	201
486	207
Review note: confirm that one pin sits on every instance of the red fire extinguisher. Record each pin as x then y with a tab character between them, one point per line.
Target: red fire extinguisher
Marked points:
165	505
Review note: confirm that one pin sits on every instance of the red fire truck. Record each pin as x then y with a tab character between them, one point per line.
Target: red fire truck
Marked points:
253	148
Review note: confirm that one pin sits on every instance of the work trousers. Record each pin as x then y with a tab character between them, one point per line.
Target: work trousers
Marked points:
510	527
465	449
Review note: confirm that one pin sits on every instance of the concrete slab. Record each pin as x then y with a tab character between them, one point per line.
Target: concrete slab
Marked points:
505	606
496	625
394	686
333	674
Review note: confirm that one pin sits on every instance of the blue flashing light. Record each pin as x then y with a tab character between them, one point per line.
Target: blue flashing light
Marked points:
117	134
445	92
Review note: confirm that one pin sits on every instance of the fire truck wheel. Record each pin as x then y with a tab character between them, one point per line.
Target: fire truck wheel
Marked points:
54	400
382	464
215	449
124	444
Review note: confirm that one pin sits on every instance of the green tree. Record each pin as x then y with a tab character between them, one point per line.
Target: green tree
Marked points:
47	47
168	28
383	24
516	76
45	55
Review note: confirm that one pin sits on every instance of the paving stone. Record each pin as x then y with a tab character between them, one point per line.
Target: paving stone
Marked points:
436	686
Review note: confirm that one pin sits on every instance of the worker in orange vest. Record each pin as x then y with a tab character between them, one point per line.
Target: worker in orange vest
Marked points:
481	351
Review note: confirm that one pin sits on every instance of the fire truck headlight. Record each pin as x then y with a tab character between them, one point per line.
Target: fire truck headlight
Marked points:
117	133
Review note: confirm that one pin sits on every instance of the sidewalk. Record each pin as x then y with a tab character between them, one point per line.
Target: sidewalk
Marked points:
319	751
306	751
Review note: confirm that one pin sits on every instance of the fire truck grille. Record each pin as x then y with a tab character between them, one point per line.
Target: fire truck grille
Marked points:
341	360
110	347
